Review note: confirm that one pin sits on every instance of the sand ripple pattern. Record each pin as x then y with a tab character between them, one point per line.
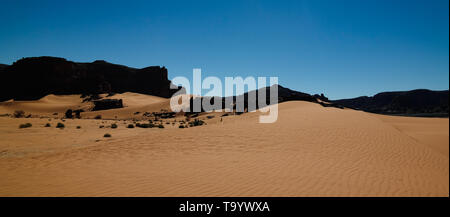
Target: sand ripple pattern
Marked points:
310	151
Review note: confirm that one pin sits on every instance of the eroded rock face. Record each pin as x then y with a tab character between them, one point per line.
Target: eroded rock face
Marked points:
104	104
35	77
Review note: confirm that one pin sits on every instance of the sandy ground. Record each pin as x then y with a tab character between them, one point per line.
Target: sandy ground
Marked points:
310	151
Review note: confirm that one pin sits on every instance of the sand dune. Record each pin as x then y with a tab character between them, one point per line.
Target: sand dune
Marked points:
51	104
46	105
432	132
310	151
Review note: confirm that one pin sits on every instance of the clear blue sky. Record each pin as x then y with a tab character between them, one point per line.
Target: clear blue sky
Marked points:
337	47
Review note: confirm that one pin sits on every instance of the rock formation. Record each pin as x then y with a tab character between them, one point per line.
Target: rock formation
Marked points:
419	102
35	77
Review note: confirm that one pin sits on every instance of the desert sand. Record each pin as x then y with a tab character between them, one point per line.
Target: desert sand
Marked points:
310	151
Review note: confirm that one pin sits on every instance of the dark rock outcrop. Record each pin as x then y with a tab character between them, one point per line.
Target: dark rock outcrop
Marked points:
35	77
284	95
419	102
2	66
104	104
321	97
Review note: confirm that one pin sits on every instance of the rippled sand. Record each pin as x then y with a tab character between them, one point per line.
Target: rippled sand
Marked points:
309	151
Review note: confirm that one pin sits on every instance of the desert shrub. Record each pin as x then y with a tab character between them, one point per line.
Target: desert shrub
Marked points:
78	113
160	126
98	117
25	125
107	135
196	122
68	113
130	126
78	127
114	126
101	126
48	125
149	125
181	126
60	125
19	114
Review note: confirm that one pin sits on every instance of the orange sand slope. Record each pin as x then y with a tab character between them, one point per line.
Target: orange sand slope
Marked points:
309	151
51	104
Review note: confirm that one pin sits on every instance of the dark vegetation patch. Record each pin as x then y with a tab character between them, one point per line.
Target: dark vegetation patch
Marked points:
196	122
27	125
68	113
19	114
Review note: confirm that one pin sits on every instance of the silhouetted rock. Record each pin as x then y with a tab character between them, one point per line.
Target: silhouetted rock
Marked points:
2	66
284	95
321	97
105	104
35	77
419	102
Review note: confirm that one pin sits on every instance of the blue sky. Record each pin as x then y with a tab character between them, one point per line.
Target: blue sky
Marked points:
343	48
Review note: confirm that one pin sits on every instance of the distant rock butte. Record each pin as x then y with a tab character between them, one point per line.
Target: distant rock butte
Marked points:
35	77
420	102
